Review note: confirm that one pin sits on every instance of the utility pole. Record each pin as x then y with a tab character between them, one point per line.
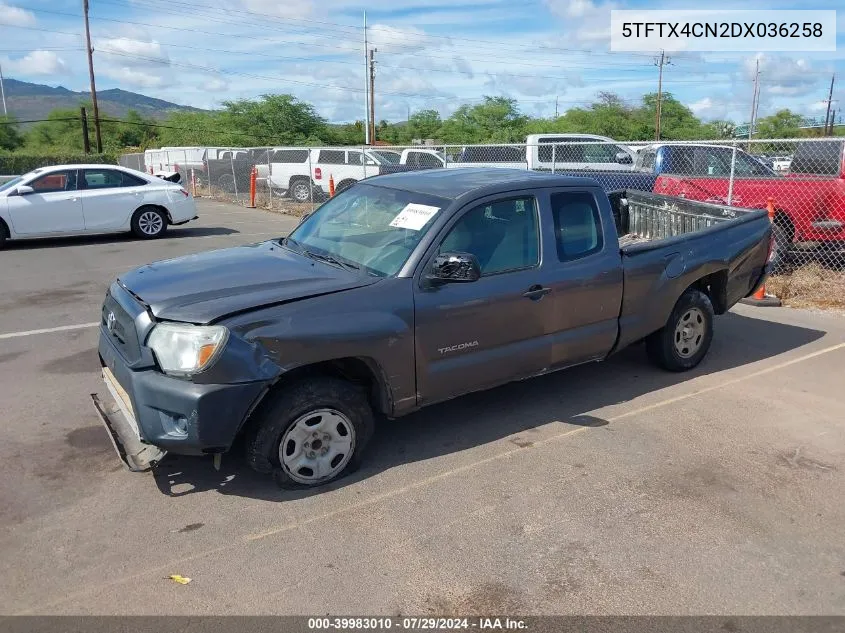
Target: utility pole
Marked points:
86	143
829	103
366	87
556	98
90	51
373	96
3	92
662	61
755	96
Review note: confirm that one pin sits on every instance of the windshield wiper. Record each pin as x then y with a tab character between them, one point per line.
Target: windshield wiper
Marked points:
330	259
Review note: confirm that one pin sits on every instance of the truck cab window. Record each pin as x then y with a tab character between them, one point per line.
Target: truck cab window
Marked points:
503	235
577	225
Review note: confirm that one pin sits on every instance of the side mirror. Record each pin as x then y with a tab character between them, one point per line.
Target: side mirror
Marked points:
454	268
24	190
624	158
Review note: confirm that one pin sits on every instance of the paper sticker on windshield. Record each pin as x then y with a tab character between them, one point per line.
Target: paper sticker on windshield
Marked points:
414	216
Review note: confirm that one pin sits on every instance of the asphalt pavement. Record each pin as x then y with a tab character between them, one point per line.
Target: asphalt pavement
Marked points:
613	488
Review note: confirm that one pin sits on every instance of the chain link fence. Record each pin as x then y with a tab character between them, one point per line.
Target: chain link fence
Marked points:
803	179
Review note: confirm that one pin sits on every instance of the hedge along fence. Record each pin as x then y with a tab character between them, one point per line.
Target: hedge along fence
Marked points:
16	164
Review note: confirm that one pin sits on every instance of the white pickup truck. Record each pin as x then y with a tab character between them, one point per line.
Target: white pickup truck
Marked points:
304	174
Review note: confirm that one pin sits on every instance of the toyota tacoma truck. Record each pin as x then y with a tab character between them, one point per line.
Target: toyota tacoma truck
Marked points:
402	291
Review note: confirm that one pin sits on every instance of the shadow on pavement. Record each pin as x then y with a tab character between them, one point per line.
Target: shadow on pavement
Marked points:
476	419
180	232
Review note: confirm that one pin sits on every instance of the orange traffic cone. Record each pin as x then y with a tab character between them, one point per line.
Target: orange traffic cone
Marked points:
760	298
331	186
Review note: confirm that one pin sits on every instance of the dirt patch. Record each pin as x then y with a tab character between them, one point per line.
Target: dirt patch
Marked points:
486	599
811	286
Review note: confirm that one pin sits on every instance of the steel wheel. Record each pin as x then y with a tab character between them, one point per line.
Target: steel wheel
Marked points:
689	332
150	223
317	446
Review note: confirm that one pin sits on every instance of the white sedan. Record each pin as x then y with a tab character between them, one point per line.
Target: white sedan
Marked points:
85	199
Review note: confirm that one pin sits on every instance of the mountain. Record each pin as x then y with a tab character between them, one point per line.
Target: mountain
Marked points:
27	101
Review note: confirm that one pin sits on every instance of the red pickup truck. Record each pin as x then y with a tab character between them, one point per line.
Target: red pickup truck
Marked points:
809	200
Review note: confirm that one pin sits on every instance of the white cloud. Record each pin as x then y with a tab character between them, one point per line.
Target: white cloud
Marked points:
39	63
280	8
389	39
126	51
133	77
782	76
15	16
702	106
216	85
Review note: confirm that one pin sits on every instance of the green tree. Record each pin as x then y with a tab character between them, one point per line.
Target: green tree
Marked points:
496	120
10	137
677	121
782	124
274	120
424	124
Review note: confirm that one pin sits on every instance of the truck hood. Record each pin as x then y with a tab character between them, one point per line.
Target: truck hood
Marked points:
208	286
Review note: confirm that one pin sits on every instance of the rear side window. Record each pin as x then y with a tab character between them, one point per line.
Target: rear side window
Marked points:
109	179
290	156
823	158
577	225
560	150
332	157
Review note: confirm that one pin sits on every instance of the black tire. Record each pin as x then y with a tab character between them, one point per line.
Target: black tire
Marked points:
669	348
145	226
290	405
4	234
783	244
226	182
345	184
300	190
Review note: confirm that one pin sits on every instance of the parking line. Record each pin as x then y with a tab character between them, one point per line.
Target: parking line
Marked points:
49	330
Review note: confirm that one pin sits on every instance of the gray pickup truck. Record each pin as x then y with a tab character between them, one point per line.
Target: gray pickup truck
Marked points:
402	291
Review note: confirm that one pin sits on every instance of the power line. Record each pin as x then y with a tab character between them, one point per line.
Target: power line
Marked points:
349	28
277	41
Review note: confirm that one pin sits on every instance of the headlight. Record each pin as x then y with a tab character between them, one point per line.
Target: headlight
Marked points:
186	349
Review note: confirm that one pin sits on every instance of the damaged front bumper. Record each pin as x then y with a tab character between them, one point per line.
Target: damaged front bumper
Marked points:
122	428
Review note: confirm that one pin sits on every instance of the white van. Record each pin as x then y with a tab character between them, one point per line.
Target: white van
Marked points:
552	152
177	159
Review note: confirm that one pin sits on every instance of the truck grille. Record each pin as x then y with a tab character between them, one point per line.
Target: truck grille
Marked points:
119	326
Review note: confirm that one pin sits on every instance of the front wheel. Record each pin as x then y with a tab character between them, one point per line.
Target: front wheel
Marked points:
683	342
149	223
310	433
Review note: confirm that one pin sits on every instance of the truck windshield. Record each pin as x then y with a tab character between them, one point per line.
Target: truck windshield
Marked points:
367	227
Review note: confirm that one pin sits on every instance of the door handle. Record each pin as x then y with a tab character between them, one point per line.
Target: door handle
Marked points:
536	292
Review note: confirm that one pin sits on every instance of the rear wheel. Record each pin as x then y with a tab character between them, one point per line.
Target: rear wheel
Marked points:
149	223
300	190
783	242
311	432
683	342
4	234
226	182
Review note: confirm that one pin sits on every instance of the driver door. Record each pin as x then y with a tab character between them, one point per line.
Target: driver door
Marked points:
471	336
54	207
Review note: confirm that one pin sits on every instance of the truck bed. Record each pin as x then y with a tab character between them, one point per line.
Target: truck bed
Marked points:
669	243
643	217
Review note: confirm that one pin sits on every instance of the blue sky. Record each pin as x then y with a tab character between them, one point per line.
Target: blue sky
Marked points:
431	54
